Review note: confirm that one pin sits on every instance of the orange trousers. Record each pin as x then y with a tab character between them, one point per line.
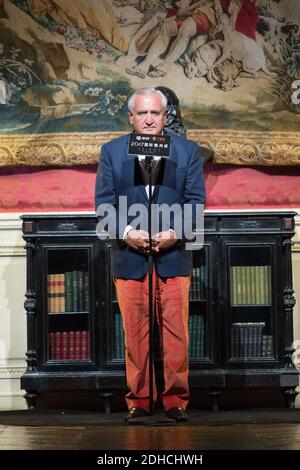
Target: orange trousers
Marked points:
171	298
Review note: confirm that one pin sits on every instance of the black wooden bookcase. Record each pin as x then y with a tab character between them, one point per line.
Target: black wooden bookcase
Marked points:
241	306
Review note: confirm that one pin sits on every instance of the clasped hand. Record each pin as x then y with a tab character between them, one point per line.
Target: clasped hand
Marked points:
139	240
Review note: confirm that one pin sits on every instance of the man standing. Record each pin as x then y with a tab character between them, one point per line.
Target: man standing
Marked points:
180	182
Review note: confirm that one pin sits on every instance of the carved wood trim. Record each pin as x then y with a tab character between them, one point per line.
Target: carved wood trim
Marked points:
236	147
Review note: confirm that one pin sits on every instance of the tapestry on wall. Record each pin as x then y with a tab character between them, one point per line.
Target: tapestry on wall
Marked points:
67	69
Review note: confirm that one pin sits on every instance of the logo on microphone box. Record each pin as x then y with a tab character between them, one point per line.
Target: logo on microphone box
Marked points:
148	144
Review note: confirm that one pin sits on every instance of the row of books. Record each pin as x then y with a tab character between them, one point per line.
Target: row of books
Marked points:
68	292
119	337
119	340
196	335
250	285
248	340
69	345
198	283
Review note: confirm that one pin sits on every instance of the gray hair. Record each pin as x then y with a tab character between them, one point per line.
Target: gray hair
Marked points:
146	92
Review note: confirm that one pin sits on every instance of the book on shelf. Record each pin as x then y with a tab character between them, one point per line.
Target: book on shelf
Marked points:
69	345
56	293
119	337
198	283
68	292
248	340
196	330
250	285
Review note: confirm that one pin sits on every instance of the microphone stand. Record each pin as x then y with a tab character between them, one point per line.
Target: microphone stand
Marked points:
148	165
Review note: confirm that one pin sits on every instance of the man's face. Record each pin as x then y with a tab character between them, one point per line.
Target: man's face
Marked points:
148	115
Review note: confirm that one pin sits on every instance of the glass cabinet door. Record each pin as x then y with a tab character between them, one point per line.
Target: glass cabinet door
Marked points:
198	327
250	302
68	304
115	337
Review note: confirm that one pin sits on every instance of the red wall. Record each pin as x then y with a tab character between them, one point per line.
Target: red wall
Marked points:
72	188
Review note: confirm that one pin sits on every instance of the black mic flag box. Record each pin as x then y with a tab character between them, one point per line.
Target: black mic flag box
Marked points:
155	145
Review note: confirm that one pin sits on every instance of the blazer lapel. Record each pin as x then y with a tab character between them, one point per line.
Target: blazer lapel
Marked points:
131	175
167	173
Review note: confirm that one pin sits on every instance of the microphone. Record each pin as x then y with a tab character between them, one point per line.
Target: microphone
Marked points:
149	145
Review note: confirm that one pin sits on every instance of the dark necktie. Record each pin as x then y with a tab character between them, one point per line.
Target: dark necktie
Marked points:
145	173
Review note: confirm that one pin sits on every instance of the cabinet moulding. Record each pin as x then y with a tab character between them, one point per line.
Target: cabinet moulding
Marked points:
12	223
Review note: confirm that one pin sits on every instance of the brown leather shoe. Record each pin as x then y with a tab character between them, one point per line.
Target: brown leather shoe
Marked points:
178	414
136	412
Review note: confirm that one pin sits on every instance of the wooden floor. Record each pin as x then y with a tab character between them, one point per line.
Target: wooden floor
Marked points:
183	437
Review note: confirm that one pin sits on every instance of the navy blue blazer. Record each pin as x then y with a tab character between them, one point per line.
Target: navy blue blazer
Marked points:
180	181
